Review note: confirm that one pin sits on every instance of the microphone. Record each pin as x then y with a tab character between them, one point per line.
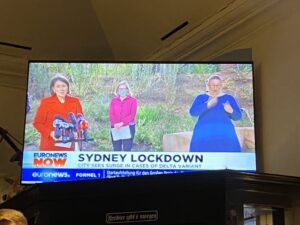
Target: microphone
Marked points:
73	121
74	127
83	125
57	123
64	127
79	118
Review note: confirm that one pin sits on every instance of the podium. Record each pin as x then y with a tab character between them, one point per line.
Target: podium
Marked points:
222	197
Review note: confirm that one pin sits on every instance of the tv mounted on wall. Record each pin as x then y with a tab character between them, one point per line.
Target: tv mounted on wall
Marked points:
95	120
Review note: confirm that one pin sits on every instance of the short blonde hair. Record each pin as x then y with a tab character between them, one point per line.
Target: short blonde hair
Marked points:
124	82
12	217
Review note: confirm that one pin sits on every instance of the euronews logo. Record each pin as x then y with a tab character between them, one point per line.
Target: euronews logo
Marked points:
49	159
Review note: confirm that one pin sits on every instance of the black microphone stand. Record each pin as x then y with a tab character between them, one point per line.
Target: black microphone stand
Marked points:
4	134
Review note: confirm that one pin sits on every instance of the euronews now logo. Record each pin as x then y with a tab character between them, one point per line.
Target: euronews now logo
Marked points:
45	159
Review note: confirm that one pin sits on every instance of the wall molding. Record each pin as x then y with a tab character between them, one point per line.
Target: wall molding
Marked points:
246	15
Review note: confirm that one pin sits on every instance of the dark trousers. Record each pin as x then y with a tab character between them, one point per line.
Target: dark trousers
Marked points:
124	144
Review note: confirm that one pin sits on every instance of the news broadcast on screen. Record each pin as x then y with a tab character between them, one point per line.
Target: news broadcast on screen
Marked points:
97	120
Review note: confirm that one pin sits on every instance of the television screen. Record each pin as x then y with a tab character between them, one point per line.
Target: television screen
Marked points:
95	120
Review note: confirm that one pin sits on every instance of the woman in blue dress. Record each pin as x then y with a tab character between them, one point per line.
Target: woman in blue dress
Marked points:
214	130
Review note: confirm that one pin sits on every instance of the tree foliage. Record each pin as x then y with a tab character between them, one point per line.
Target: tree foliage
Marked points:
164	92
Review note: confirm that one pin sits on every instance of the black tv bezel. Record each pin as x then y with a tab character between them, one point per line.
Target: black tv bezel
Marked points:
257	150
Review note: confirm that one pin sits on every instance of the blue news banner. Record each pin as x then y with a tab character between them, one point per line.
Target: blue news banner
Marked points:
53	175
53	166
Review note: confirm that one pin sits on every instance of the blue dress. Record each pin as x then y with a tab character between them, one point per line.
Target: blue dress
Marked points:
214	130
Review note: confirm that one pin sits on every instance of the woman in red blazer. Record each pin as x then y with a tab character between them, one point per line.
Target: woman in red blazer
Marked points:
58	106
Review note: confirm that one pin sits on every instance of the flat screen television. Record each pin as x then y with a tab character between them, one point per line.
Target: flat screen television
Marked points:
97	120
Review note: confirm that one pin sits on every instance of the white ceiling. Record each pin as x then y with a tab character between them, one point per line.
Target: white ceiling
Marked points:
100	29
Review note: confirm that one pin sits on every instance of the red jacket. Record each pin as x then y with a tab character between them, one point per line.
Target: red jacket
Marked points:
50	107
